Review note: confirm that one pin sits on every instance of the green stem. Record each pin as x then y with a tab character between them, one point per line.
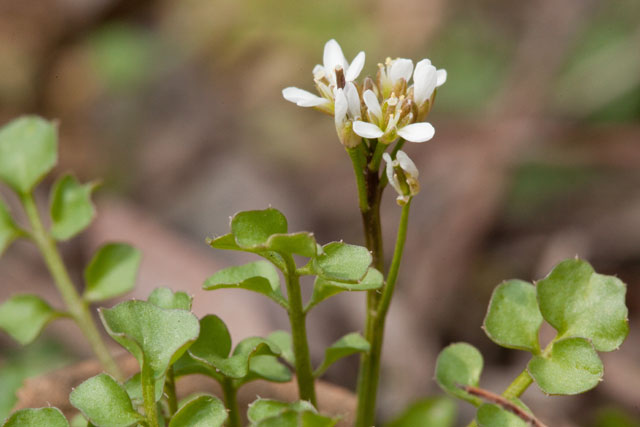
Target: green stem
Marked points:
375	331
297	319
149	394
231	402
170	391
374	165
76	306
358	167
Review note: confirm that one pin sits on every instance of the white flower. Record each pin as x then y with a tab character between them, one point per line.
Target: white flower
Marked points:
391	74
333	58
325	79
426	79
388	128
347	109
403	176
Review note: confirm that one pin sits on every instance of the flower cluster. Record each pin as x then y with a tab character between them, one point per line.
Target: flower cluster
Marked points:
391	106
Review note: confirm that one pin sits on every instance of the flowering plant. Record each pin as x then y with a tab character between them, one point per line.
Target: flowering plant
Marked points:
374	118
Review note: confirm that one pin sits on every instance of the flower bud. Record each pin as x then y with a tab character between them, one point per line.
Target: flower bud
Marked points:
403	176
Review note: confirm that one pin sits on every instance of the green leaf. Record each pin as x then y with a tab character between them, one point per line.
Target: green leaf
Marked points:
578	302
302	243
291	418
323	289
433	411
187	365
237	365
71	207
225	242
28	151
490	415
252	229
9	231
155	335
284	341
24	316
166	298
214	339
513	318
346	346
459	364
111	272
104	402
42	417
572	367
258	276
265	367
133	387
202	411
342	262
263	409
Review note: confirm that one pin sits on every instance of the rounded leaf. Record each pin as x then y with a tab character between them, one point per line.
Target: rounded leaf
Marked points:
513	318
253	228
238	365
153	335
166	298
28	151
346	346
201	411
458	365
491	415
133	387
323	289
9	231
268	368
70	207
41	417
302	243
284	341
104	402
262	409
24	316
258	276
572	367
111	272
214	339
578	302
342	262
433	411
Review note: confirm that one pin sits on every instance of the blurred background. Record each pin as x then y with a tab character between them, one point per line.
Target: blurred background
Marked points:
176	106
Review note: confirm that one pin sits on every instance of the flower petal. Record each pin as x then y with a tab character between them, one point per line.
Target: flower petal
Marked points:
371	101
355	68
367	130
341	107
442	77
332	58
424	81
302	98
417	132
407	164
318	71
401	68
353	100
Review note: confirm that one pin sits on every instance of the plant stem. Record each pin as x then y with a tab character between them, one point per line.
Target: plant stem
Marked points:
358	167
370	370
149	394
515	389
76	306
170	391
231	402
297	319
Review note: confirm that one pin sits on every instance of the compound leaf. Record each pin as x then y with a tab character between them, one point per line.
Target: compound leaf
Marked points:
41	417
166	298
346	346
201	411
252	229
342	262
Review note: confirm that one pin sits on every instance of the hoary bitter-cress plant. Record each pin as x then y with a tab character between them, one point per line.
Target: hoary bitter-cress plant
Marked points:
374	117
